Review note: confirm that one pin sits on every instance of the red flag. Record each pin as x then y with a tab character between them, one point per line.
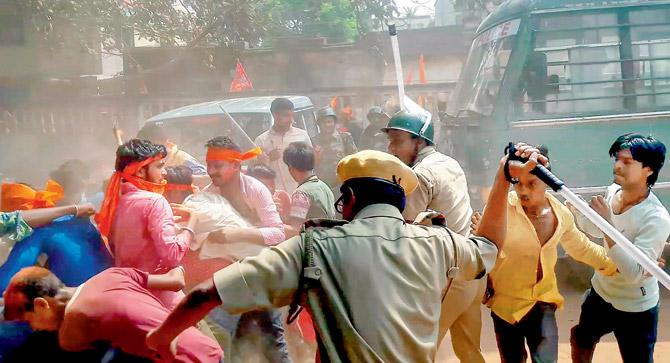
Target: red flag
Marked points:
240	82
143	86
408	79
333	102
422	70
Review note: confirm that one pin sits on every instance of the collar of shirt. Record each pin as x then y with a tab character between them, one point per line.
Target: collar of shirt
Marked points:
68	306
311	178
244	180
127	187
423	154
322	137
514	201
291	130
379	210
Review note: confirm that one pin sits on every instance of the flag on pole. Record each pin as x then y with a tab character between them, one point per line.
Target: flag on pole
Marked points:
333	102
422	70
240	82
422	80
409	78
142	85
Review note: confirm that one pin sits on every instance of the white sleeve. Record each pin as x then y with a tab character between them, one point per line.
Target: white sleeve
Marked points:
654	232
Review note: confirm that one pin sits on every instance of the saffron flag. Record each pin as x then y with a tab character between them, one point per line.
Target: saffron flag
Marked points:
409	78
422	70
240	82
422	79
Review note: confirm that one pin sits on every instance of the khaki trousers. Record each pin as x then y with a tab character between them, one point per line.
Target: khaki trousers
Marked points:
461	315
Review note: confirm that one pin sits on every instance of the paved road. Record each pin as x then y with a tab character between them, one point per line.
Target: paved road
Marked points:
606	352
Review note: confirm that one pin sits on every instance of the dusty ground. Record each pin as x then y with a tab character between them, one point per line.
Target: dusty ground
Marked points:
606	352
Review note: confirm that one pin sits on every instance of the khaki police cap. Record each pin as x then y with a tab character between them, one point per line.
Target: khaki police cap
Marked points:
377	164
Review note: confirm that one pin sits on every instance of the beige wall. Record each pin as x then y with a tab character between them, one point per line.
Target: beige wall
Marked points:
57	59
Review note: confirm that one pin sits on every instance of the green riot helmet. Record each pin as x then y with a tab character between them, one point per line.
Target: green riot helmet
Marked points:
376	111
325	112
414	123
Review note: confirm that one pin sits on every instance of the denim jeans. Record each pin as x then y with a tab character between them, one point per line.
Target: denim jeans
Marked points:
266	325
12	335
635	332
537	329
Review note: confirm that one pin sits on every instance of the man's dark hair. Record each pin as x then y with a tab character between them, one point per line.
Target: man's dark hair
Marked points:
222	142
153	133
137	150
70	172
181	175
645	149
544	151
261	171
281	104
373	191
27	285
299	155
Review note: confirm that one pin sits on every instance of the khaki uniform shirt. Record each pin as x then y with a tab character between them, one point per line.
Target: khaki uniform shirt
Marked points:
443	188
380	288
373	138
312	199
334	146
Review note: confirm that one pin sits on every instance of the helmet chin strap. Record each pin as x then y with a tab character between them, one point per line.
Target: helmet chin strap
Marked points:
424	128
417	149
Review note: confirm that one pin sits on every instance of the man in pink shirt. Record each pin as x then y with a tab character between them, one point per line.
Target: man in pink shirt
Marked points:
253	201
138	219
114	306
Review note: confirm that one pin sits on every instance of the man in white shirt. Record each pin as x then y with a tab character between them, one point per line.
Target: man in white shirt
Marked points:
277	138
627	302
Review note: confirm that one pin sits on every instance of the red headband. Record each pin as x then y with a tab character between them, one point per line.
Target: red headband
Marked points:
220	154
180	187
104	217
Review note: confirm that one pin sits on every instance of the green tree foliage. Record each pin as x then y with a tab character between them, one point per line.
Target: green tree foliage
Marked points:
177	23
201	22
339	20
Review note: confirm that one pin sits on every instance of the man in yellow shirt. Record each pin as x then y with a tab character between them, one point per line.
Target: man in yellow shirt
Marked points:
523	294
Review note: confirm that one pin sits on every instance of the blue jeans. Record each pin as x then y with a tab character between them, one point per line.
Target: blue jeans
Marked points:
12	335
267	325
635	332
72	245
538	329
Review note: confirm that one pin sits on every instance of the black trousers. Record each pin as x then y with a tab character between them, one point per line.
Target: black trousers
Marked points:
537	329
635	332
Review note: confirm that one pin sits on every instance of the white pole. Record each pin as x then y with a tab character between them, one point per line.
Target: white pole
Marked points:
239	128
644	260
398	65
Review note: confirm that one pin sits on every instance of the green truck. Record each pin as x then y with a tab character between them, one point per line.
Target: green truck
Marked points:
572	75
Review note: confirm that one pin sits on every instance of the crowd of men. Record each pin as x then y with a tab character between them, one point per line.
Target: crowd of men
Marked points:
184	260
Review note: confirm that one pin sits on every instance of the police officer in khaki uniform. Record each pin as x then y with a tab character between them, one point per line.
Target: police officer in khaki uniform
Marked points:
373	286
442	187
330	146
373	138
